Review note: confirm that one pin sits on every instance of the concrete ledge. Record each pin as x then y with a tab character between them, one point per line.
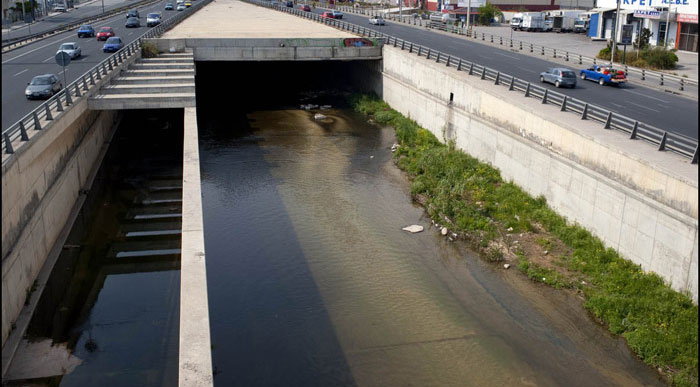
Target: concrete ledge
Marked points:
168	88
195	366
141	101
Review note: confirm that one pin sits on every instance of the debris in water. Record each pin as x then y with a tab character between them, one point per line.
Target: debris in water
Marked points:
325	107
371	157
510	229
413	228
443	231
319	116
546	252
506	265
394	147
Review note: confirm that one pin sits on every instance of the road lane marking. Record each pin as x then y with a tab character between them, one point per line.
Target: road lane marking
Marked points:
644	107
23	71
48	59
644	95
529	71
509	56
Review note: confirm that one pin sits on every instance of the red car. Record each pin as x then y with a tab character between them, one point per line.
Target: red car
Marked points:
304	7
327	15
105	33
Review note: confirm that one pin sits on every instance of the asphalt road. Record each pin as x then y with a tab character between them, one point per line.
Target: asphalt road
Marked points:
658	108
56	19
21	65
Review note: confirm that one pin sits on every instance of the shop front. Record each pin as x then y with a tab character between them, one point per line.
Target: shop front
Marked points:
687	33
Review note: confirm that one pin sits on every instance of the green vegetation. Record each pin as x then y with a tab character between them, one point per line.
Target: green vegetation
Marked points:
487	12
149	50
660	324
653	58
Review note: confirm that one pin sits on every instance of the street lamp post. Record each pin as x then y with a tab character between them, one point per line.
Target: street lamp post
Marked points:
668	24
103	6
615	27
469	14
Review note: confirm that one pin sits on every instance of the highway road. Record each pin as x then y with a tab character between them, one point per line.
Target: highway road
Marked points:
663	110
21	65
47	23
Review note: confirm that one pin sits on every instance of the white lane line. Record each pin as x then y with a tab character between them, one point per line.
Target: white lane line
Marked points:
644	107
647	96
23	71
620	106
47	59
509	56
529	71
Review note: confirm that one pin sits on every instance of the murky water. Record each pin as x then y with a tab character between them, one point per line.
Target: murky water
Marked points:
312	282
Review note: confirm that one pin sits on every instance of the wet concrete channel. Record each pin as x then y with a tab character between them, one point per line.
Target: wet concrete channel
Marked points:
311	281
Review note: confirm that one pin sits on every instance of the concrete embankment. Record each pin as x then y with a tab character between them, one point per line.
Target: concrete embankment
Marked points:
640	202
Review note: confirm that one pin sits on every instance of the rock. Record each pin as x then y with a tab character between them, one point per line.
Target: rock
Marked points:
450	239
543	279
371	157
521	235
510	229
454	235
443	231
506	265
394	147
517	217
546	252
319	116
583	282
413	228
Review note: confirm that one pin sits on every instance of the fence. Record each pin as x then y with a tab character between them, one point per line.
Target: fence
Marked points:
663	140
55	106
642	74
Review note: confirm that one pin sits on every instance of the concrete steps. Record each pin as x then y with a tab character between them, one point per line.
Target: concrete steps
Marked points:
151	83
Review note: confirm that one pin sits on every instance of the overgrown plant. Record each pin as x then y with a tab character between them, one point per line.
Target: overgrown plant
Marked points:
659	324
149	50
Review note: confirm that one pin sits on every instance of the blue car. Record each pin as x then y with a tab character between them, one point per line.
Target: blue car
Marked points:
113	44
86	31
604	75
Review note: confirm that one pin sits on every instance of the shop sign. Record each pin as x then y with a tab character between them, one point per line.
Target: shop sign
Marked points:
687	18
645	14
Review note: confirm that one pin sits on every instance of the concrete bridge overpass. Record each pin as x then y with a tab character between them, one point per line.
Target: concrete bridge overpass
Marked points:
579	168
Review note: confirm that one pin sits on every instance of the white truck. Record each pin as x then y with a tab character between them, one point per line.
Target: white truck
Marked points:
516	20
532	21
563	23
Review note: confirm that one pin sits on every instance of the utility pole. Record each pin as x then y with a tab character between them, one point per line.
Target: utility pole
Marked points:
614	45
400	15
668	23
469	14
103	6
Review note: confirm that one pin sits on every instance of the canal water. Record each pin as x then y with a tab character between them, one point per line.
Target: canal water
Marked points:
312	282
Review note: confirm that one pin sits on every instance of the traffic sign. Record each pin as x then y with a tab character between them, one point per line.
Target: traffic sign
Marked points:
62	58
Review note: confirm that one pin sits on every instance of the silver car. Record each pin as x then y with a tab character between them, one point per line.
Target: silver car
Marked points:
559	76
376	20
72	49
43	86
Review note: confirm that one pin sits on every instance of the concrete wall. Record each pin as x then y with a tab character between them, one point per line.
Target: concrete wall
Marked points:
641	202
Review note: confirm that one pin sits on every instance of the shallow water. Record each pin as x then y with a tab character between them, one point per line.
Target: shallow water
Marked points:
312	282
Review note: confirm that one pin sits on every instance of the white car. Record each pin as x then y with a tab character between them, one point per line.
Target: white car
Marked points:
72	49
376	20
181	7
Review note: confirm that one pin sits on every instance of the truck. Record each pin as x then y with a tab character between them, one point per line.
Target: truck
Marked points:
516	20
563	23
532	21
580	25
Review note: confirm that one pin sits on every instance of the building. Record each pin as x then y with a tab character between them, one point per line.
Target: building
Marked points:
516	5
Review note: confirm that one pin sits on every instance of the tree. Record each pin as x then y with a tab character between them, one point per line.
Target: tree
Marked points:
487	12
643	39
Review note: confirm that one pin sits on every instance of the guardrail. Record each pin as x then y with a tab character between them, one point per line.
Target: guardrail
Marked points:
663	140
11	44
661	77
55	106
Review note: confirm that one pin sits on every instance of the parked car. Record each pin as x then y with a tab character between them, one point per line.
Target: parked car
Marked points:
604	75
327	15
86	31
376	20
105	33
559	76
72	49
133	22
188	4
133	13
304	8
60	8
152	19
290	4
169	6
337	14
113	44
43	86
181	7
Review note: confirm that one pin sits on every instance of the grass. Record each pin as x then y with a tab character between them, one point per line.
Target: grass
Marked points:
659	324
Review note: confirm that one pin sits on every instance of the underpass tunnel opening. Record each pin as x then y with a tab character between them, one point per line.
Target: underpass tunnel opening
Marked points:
232	89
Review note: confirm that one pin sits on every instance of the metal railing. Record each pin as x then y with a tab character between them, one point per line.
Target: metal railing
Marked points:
663	140
11	44
643	74
87	84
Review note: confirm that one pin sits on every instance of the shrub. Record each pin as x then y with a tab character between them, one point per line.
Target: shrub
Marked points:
639	62
149	50
659	58
487	12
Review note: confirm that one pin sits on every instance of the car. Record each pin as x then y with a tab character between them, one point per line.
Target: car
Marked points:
188	4
559	76
604	75
105	33
43	86
376	20
304	8
327	15
86	31
72	49
169	6
152	19
290	4
113	44
337	14
132	22
181	7
60	8
133	13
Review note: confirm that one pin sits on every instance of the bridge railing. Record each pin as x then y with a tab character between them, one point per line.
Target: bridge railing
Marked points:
643	74
38	119
11	44
662	139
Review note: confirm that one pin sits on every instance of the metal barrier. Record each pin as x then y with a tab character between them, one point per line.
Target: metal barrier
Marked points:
643	74
11	44
663	140
55	106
